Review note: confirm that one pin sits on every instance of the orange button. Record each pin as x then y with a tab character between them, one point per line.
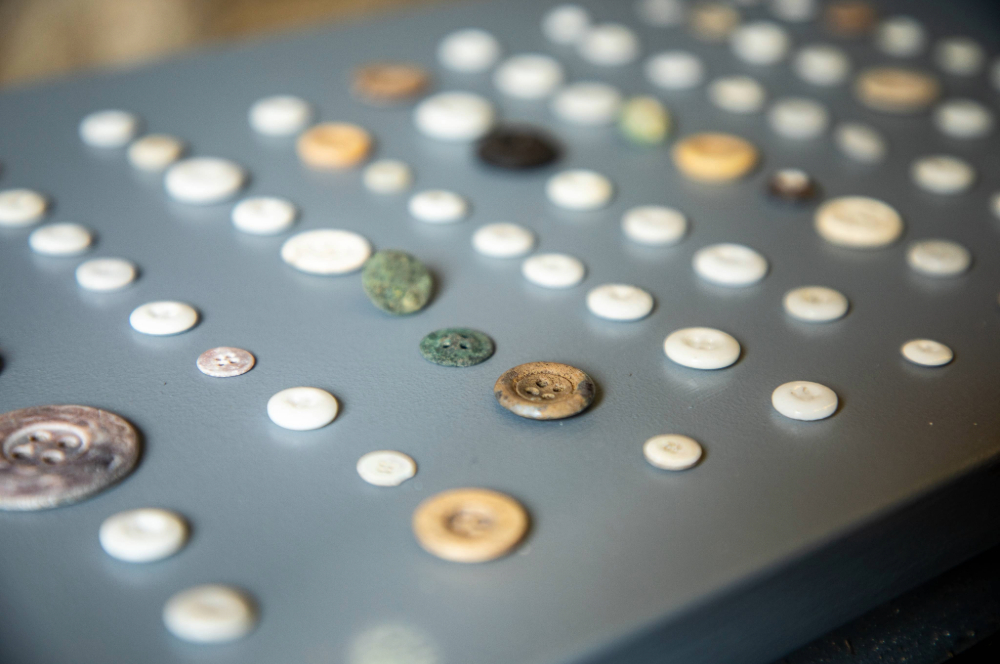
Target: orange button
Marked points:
334	145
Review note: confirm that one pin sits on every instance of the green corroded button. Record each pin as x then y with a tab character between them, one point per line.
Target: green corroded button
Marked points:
644	120
456	347
397	282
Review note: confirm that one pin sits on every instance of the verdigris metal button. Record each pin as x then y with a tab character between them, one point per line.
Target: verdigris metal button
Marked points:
469	525
56	455
544	390
456	347
517	148
397	282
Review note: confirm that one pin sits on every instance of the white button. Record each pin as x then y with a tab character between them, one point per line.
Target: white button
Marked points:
326	251
589	104
619	302
938	258
109	129
963	118
105	274
960	56
675	70
302	408
437	206
737	94
155	152
386	468
21	207
528	76
901	36
503	240
941	174
815	304
388	176
760	42
204	180
280	115
859	222
468	51
264	215
927	353
654	225
822	65
454	116
579	190
729	265
143	535
63	239
553	270
798	118
702	348
661	13
794	11
802	400
672	452
163	318
860	142
566	24
209	614
609	44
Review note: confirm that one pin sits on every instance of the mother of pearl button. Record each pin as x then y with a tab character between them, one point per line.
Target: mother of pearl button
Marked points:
815	304
619	302
302	408
553	270
209	614
729	264
386	468
143	535
672	451
803	400
938	258
701	348
927	353
163	318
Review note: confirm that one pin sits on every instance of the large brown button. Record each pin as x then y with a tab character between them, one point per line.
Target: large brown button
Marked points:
469	525
850	18
714	157
334	145
895	90
544	390
390	82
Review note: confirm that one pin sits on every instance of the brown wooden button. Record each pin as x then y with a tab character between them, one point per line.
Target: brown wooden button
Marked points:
469	525
390	82
714	157
713	21
544	390
850	18
334	145
896	90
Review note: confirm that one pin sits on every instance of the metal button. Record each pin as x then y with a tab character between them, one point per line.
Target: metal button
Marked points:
56	455
544	390
397	282
225	362
390	82
469	525
456	347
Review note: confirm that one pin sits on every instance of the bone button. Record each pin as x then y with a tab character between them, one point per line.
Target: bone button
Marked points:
672	452
469	525
143	535
805	401
544	390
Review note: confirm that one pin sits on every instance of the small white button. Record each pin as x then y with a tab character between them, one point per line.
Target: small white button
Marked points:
959	56
163	318
437	206
941	174
654	225
858	222
579	190
454	116
609	44
619	302
204	180
566	24
938	258
963	118
702	348
553	270
143	535
860	142
798	118
386	468
388	176
737	94
901	36
588	104
264	215
155	152
280	115
64	239
105	274
927	353
302	408
672	451
109	129
815	304
760	42
794	11
729	265
822	65
675	70
661	13
503	240
468	51
802	400
326	251
21	207
209	614
530	76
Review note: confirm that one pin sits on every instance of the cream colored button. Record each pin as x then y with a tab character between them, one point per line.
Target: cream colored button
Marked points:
386	468
302	408
530	76
326	251
579	190
661	13
566	24
619	302
858	222
587	104
959	56
155	152
895	90
280	115
713	21
938	258
204	180
815	304
760	42
209	614
468	51
942	174
860	142
901	36
850	18
264	215
823	65
437	206
21	207
654	225
798	118
803	400
388	176
927	353
469	525
143	535
737	94
963	118
672	452
105	274
553	270
794	11
702	348
675	70
163	318
63	239
454	116
503	240
333	145
714	157
609	45
729	265
109	129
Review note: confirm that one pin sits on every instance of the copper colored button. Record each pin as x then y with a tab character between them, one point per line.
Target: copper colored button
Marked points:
850	18
544	390
714	157
895	90
469	525
390	82
334	145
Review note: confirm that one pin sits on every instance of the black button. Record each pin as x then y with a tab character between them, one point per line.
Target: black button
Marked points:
518	147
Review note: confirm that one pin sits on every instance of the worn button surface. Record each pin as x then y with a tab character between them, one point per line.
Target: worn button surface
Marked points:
210	614
456	347
943	174
225	362
895	90
672	451
901	36
517	148
713	21
388	176
386	468
675	70
397	282
55	455
143	535
469	525
333	145
714	157
390	82
544	390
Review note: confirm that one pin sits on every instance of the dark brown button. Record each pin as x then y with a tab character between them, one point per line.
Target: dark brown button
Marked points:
517	148
792	186
390	82
850	18
544	390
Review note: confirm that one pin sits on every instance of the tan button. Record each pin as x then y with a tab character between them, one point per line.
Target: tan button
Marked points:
334	145
544	390
895	90
469	525
714	157
390	82
713	21
850	18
